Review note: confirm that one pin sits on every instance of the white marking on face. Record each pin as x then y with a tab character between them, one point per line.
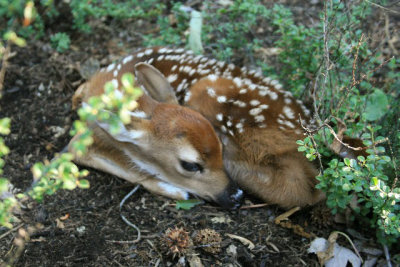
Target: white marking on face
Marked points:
173	190
189	154
110	67
288	112
254	102
219	117
172	78
221	99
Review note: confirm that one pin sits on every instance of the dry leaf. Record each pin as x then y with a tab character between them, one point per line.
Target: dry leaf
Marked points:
65	217
333	255
60	224
243	240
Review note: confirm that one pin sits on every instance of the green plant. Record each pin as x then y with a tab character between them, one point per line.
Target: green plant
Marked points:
60	41
335	61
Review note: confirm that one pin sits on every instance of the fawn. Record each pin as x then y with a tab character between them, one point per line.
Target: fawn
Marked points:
202	127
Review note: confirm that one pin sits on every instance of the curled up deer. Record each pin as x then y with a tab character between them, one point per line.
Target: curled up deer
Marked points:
204	127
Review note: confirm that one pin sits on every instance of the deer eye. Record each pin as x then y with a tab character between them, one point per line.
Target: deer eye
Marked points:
191	167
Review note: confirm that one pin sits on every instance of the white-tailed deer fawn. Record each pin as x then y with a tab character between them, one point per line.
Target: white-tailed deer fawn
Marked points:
191	105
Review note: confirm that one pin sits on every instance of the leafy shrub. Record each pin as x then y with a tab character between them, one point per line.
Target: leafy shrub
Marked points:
60	41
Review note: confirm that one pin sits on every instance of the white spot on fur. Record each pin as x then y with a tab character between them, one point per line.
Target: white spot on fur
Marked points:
263	106
127	59
187	96
115	83
239	125
288	112
160	58
242	91
110	67
254	102
162	50
148	51
288	101
115	73
240	103
255	111
219	117
238	81
259	118
211	92
174	67
221	99
141	54
172	78
212	77
273	95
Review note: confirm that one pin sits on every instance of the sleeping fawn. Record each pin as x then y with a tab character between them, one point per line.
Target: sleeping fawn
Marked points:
203	127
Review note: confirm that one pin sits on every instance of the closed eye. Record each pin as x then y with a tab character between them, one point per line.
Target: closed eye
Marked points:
191	166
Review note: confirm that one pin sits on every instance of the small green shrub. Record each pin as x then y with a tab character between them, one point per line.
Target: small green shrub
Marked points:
60	41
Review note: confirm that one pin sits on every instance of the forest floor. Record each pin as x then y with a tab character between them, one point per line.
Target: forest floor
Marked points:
84	227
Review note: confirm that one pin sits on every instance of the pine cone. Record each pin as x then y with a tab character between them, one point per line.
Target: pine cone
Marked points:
176	242
208	240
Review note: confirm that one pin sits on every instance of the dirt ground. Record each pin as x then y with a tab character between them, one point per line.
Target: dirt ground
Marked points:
83	227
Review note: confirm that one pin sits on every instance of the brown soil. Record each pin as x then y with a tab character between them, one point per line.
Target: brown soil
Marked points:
38	87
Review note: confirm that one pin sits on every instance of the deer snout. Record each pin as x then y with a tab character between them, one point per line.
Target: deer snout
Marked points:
231	198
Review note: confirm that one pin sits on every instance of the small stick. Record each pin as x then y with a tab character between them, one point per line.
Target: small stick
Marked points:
254	206
11	230
126	220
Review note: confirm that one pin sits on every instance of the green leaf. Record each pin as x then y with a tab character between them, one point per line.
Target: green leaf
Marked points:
83	183
377	105
188	204
3	184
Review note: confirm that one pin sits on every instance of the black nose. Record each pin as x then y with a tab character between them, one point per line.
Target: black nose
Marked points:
231	198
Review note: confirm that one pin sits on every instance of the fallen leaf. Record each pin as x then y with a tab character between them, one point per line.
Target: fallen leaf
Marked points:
65	217
333	255
243	240
60	224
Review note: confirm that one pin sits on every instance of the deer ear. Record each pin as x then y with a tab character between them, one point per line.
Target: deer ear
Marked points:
155	84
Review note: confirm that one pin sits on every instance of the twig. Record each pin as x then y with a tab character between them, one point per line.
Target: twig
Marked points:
387	255
126	220
4	67
11	230
254	206
382	7
348	239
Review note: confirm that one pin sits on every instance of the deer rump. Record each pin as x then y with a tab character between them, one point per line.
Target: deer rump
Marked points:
204	127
